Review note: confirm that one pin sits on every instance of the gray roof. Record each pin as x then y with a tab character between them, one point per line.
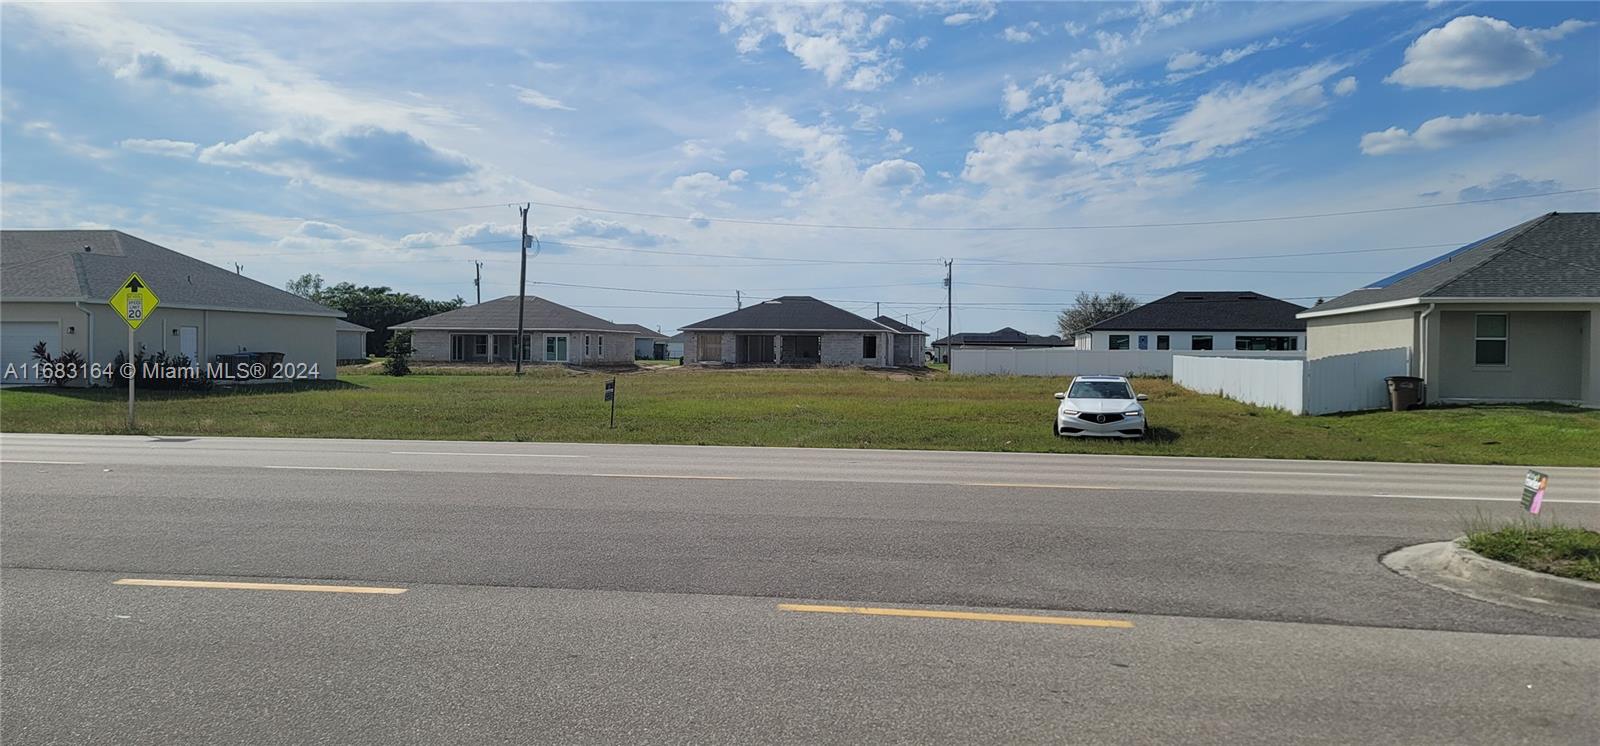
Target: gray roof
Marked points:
1209	310
642	332
500	314
898	327
1556	255
789	313
54	266
344	326
1004	337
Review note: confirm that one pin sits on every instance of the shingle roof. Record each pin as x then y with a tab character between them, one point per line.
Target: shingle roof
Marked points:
1556	255
340	325
789	313
898	327
500	314
642	331
1239	311
53	265
1004	337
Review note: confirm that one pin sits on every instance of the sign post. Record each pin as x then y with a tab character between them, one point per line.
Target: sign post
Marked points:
611	396
134	302
1533	486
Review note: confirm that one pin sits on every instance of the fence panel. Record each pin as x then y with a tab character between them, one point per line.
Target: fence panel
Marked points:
1065	361
1266	382
1350	383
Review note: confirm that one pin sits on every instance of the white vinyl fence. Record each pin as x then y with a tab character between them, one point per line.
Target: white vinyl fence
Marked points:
1342	383
1065	361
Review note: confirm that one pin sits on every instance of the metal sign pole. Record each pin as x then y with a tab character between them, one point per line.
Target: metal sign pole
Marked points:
132	374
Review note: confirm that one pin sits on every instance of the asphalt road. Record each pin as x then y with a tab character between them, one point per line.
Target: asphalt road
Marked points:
556	592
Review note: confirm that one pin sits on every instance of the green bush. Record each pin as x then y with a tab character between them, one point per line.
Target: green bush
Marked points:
400	352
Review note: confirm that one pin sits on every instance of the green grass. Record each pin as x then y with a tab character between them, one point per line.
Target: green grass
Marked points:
836	408
1566	551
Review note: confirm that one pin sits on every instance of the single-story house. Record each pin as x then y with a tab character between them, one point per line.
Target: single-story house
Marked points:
1512	317
795	329
55	286
1006	337
1203	320
648	344
675	345
352	341
910	343
486	332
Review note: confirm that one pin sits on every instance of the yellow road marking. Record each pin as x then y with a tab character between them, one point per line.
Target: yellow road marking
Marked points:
1031	485
966	615
231	585
659	476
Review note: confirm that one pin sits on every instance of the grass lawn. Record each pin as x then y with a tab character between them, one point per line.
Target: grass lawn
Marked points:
836	408
1567	551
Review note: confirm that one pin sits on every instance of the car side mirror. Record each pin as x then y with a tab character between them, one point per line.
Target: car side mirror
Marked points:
1142	397
1060	395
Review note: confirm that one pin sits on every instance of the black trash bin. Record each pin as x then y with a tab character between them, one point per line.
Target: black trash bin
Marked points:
1405	392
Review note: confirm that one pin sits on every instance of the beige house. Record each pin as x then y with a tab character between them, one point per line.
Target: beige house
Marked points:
552	333
54	287
1514	317
352	341
800	330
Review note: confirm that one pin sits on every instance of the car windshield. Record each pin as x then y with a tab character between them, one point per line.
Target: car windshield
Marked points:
1099	390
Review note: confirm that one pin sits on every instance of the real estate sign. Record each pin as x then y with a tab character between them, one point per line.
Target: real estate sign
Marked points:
1533	490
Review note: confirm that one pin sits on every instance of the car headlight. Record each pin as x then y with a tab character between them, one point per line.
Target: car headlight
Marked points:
1134	413
1068	412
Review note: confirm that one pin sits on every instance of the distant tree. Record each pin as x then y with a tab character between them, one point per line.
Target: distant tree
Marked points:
379	307
1089	309
305	286
400	351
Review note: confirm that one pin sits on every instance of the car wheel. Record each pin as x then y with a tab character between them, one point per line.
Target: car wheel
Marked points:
1054	430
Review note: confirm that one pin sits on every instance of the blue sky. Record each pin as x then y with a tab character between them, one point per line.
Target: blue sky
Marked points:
270	135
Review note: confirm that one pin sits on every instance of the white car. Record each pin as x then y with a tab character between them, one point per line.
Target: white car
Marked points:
1101	407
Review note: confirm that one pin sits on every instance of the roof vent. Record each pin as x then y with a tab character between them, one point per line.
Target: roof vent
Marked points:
87	247
1193	297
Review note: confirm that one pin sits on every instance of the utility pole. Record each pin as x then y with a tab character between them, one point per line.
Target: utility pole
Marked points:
522	290
238	268
738	299
877	308
477	278
949	307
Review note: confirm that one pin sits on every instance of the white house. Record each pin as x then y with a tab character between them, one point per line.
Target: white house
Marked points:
1203	320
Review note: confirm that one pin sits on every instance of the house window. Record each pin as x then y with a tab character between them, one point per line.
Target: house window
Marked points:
1144	341
1200	341
1119	341
600	345
586	346
869	345
555	349
527	348
1163	342
1490	339
1266	343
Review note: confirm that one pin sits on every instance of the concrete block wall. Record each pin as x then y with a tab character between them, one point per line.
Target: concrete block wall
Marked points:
431	345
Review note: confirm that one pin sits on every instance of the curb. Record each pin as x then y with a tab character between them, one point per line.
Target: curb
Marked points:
1448	566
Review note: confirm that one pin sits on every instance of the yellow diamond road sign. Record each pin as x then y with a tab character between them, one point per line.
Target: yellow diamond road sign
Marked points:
134	301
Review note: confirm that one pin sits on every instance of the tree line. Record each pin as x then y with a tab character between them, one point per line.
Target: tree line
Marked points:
376	307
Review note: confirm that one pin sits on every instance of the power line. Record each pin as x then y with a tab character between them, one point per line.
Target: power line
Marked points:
1113	262
931	228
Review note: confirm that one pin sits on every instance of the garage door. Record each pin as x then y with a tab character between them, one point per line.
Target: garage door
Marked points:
17	339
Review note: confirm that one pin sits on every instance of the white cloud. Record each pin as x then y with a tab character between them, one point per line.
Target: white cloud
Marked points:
539	100
1346	86
1014	99
1188	64
1185	60
894	135
1473	52
356	153
1444	132
893	173
737	175
971	12
171	148
1027	155
696	149
839	41
1023	34
703	185
75	145
1233	114
1509	185
582	226
156	66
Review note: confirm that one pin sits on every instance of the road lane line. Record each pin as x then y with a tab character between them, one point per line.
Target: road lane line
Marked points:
974	616
663	476
1486	499
1242	471
20	461
232	585
468	453
331	468
1030	485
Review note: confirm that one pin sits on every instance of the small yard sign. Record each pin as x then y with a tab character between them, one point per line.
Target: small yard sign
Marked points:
611	396
1533	490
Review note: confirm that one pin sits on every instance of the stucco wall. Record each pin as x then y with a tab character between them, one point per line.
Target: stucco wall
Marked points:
1353	333
302	339
1180	341
837	348
351	345
1545	357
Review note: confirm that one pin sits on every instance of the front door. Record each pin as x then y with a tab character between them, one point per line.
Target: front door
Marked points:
555	349
189	343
